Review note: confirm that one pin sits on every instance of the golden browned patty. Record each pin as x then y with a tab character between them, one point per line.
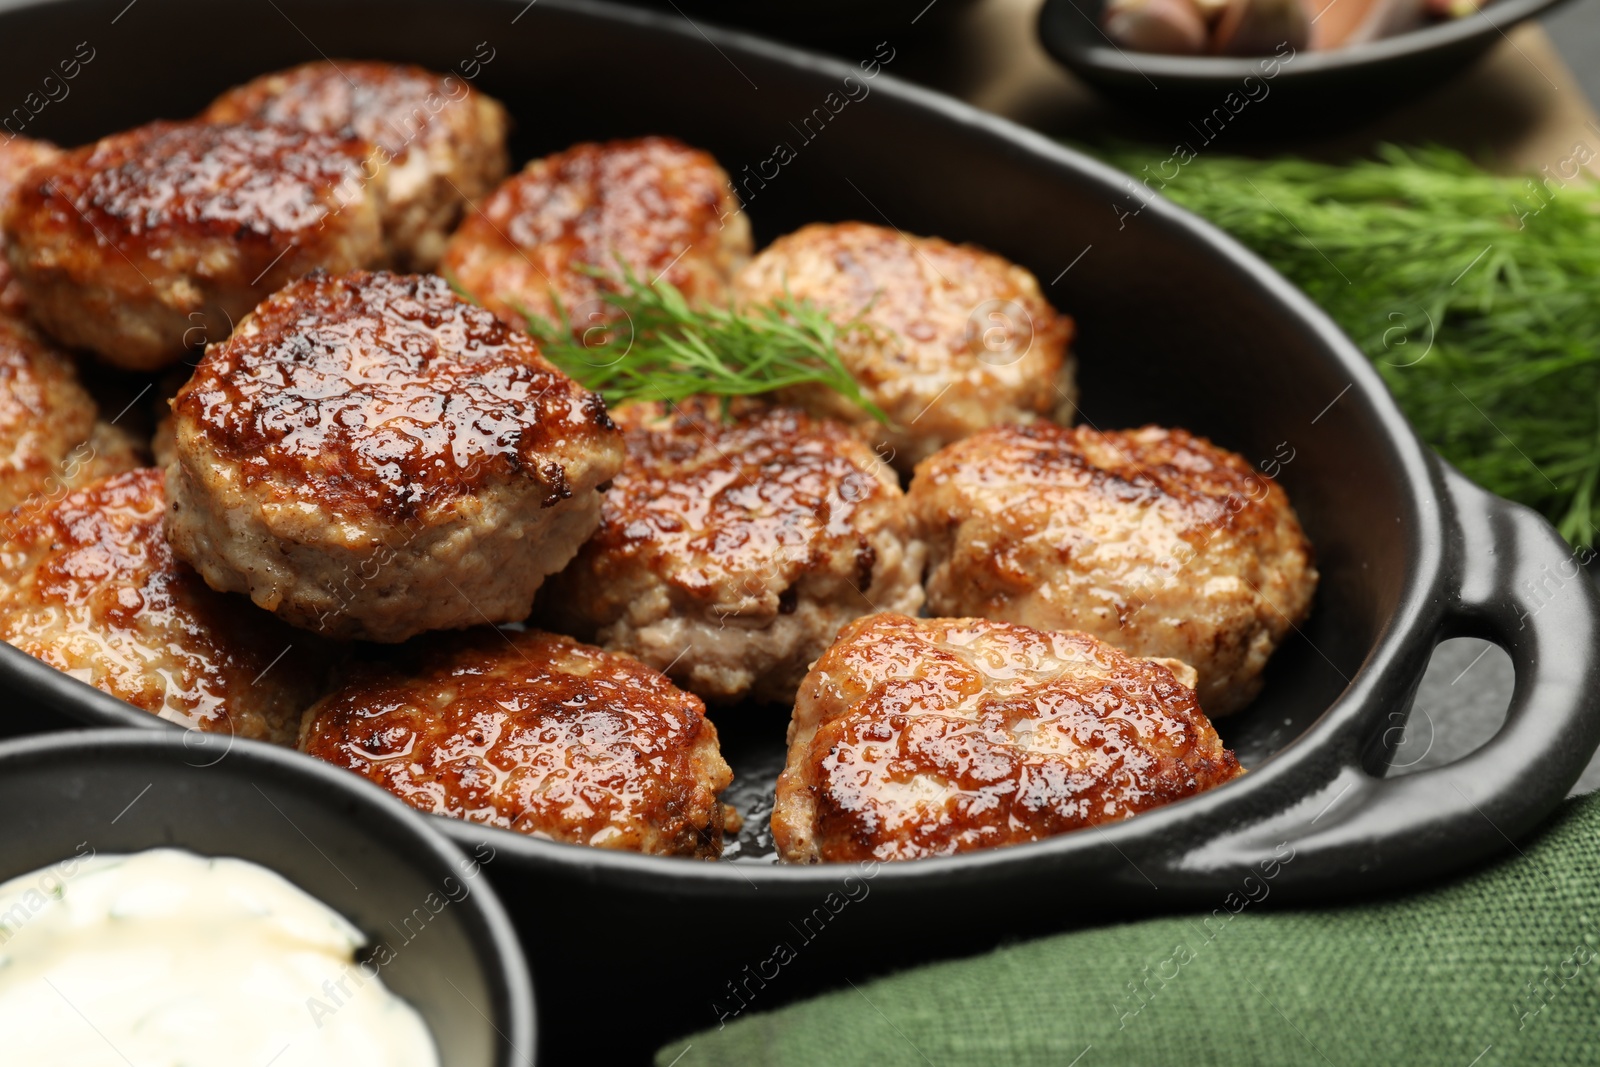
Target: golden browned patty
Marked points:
90	587
665	209
150	242
442	142
1155	540
17	156
371	456
535	733
953	338
51	441
929	737
730	553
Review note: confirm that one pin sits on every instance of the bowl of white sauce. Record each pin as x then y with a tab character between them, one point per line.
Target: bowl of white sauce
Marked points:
188	899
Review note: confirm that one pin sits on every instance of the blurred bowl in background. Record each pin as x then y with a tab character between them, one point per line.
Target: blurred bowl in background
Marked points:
1309	91
819	22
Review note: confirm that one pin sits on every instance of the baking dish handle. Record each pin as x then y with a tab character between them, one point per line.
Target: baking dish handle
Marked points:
1511	579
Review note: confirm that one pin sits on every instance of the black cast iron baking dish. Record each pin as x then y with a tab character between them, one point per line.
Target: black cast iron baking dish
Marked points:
452	951
1178	324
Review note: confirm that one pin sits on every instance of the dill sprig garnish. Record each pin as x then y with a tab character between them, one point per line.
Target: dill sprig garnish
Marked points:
662	349
1474	295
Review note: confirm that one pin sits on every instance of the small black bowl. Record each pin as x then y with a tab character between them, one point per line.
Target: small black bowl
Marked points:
1274	95
454	955
823	23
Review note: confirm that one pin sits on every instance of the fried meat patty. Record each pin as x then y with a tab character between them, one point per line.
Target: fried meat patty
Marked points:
51	440
730	553
156	240
17	156
90	587
951	339
442	143
663	209
1155	540
532	732
371	456
930	737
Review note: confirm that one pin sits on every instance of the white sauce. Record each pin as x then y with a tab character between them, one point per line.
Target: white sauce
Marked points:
167	959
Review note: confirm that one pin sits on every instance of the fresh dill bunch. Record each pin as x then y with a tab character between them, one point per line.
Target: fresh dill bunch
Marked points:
1474	295
661	349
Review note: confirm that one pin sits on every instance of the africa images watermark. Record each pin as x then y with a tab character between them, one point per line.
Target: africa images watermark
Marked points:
754	177
1538	993
1544	589
1526	206
67	477
50	885
337	992
53	89
1142	991
753	978
1252	89
1543	192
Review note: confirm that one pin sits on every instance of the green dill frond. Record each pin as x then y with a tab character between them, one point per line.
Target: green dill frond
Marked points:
661	349
1496	279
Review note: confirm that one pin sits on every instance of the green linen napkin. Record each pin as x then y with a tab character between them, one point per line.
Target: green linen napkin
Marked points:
1501	967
